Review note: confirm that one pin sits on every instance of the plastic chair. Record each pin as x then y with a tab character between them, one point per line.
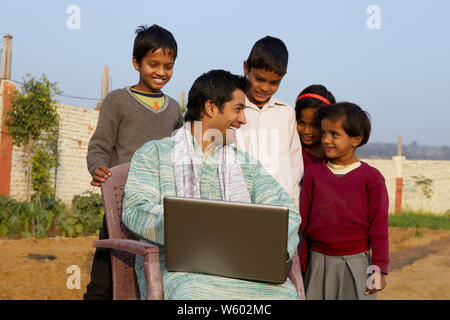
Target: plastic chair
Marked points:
125	245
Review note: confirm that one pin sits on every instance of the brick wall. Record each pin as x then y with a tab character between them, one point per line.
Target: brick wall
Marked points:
77	126
413	198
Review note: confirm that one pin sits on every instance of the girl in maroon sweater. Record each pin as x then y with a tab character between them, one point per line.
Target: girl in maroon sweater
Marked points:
344	209
307	103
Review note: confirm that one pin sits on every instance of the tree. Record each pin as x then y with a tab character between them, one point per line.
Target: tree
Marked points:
32	123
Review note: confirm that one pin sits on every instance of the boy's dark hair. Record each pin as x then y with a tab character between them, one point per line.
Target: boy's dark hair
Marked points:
356	121
153	38
269	53
216	86
311	102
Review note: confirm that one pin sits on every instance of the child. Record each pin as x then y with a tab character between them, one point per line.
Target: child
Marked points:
307	103
128	118
344	209
270	133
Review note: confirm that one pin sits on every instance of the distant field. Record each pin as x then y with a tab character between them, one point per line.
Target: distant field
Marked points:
412	151
420	220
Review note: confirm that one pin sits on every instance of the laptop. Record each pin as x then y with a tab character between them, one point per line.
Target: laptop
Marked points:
230	239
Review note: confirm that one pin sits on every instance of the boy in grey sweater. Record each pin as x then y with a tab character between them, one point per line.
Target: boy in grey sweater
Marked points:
128	118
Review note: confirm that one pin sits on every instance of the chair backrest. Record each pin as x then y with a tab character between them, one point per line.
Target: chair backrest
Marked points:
125	285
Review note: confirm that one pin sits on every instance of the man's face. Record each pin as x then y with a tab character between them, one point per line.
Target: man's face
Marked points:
264	84
155	70
231	117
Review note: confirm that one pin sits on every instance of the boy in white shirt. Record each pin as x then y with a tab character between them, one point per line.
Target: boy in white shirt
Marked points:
270	134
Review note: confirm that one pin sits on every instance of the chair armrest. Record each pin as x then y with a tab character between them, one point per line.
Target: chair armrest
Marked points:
150	254
131	246
295	275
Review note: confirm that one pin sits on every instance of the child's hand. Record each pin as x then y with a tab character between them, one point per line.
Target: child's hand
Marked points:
100	175
376	285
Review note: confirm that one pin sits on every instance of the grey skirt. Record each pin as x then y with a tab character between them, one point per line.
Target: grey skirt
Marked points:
337	277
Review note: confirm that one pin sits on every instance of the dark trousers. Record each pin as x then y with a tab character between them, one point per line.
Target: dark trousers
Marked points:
100	287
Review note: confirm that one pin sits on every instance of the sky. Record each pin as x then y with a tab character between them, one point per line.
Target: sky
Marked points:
392	58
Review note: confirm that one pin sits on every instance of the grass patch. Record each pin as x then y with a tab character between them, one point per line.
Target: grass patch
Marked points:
420	220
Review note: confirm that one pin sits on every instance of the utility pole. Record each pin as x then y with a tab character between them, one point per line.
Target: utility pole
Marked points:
398	160
105	86
182	106
105	82
6	57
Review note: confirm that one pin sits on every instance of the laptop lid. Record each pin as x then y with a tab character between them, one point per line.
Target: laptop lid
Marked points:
230	239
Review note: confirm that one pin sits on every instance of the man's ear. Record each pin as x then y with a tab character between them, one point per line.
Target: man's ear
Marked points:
245	68
136	64
356	141
210	109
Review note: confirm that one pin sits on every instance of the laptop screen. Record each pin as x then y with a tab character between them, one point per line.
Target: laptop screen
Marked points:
238	240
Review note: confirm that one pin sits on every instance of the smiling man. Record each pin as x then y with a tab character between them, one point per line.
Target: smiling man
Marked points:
199	162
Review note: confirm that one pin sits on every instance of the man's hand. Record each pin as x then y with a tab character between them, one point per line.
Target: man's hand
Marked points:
377	284
100	175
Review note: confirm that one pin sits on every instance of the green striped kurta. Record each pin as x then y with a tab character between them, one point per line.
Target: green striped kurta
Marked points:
151	178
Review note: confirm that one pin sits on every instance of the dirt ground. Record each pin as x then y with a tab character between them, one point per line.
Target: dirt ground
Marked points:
45	269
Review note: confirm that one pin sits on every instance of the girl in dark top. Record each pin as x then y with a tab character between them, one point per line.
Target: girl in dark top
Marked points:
344	208
307	103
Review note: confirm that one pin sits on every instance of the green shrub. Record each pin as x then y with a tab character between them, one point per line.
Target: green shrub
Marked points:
28	219
11	222
34	219
419	220
86	218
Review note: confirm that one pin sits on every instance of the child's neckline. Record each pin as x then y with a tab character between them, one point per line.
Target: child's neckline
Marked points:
268	104
129	90
340	171
147	94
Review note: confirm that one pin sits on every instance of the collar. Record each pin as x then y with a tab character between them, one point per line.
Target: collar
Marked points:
343	169
273	102
147	94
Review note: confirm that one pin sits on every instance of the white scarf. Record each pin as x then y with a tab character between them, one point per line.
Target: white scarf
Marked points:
232	183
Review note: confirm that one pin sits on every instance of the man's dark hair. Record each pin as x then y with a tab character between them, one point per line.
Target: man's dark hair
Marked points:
356	122
310	102
269	53
216	86
153	38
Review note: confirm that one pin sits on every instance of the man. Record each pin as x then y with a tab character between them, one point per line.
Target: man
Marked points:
198	162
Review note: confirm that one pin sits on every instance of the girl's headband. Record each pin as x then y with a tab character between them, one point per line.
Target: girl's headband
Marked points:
312	95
